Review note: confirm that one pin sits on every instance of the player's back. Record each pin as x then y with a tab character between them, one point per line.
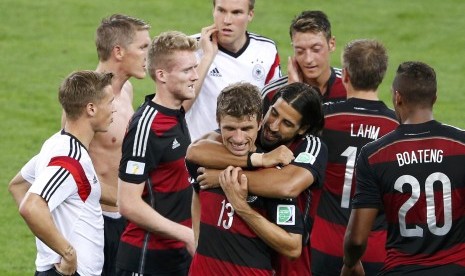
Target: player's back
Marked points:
418	171
349	125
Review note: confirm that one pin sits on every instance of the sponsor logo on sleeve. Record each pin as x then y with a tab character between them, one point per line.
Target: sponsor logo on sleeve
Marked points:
285	215
136	168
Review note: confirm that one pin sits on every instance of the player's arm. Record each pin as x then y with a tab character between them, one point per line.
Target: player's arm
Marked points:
356	237
287	244
195	212
36	213
18	188
209	46
286	182
213	154
134	208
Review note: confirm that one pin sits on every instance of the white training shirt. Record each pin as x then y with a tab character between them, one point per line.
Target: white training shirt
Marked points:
63	174
257	63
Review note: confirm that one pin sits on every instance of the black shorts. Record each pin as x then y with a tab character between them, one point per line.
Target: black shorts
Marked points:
113	228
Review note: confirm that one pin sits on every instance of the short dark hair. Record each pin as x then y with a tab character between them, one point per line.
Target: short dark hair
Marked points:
80	88
366	62
416	82
238	100
311	21
307	101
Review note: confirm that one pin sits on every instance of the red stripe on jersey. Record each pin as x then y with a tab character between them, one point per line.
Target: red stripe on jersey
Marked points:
274	67
75	168
328	238
453	255
162	123
203	265
415	147
298	267
170	177
417	213
214	205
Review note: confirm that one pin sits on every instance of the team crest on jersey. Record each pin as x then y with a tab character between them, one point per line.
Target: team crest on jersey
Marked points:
134	167
305	157
258	72
285	215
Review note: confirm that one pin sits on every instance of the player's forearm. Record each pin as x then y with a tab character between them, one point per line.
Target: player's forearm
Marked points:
213	155
195	211
35	212
18	188
352	253
287	182
140	213
284	243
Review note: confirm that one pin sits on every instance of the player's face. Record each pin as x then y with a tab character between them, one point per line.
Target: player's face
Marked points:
239	134
135	55
231	17
182	75
280	126
104	111
312	53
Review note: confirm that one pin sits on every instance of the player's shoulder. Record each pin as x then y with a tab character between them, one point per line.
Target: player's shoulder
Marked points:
274	85
261	39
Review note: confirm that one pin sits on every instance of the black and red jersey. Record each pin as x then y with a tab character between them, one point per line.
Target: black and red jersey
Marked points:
335	90
349	125
153	155
416	175
227	245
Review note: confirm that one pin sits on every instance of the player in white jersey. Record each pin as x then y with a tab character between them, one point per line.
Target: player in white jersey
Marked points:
62	207
228	54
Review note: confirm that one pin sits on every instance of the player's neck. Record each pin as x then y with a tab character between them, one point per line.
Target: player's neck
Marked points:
321	82
119	78
235	46
371	95
417	116
166	99
81	130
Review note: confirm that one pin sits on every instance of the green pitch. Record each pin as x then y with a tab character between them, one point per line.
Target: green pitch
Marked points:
43	41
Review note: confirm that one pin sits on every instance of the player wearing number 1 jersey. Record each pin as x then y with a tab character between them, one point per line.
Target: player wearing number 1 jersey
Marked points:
349	125
416	175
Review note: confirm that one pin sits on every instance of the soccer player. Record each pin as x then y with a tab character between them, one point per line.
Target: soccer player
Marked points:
154	191
349	125
229	54
62	206
415	174
313	44
294	120
235	230
122	43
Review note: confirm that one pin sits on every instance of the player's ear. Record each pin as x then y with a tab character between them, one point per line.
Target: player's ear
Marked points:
160	75
118	52
91	109
332	44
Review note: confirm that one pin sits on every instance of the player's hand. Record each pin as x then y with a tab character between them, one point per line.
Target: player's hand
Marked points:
281	155
190	242
294	73
208	178
68	264
356	270
234	185
209	41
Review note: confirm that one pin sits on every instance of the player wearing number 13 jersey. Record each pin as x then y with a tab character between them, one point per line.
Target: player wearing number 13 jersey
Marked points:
416	175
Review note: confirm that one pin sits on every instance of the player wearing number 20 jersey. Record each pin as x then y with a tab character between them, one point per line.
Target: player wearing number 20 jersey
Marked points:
416	174
349	125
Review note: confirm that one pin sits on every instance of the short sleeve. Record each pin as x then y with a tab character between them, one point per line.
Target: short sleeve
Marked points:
312	155
28	170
